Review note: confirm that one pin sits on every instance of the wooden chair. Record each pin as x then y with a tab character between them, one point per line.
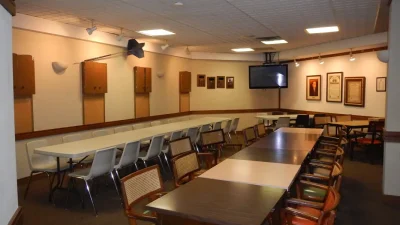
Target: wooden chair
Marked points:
186	166
180	146
370	139
145	183
303	212
323	123
343	118
261	132
212	141
249	136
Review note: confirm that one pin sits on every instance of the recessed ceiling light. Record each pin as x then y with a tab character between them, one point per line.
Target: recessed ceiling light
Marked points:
156	32
242	50
274	42
320	30
178	3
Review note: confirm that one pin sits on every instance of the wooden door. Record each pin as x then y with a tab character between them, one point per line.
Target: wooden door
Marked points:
147	80
24	75
94	77
142	105
140	79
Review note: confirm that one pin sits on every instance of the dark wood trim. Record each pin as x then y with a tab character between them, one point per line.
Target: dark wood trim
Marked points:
338	54
9	5
229	111
391	136
354	117
17	218
64	130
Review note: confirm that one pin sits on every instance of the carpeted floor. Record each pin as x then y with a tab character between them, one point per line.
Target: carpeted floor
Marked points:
362	201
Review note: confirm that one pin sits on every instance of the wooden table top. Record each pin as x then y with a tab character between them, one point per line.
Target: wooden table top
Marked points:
278	175
271	155
219	202
276	117
353	123
288	141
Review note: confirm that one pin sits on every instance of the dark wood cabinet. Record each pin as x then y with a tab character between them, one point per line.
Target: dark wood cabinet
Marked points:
185	82
23	75
142	80
94	77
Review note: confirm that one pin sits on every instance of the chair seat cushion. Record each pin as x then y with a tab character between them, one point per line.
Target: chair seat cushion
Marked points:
326	159
82	173
301	221
325	172
368	141
51	167
314	192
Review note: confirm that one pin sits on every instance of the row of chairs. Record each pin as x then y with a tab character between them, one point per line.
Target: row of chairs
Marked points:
130	154
318	187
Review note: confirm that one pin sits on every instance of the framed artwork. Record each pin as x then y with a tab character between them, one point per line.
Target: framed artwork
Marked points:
201	80
230	82
381	84
313	87
220	82
210	82
354	91
334	87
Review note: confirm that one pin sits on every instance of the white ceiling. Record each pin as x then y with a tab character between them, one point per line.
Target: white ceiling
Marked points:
215	25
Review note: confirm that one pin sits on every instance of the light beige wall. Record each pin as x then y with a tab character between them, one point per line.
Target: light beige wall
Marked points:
366	64
241	97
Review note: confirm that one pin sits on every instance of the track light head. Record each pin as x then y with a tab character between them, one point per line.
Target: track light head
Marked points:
91	30
352	58
119	37
296	63
320	60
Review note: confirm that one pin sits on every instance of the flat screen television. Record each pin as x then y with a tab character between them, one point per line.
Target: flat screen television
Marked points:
268	76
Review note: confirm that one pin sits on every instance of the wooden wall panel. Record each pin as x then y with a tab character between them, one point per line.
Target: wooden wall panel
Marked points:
23	114
184	102
93	109
142	105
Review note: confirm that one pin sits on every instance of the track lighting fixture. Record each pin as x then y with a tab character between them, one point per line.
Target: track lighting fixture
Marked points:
91	29
352	58
188	51
320	59
296	63
120	36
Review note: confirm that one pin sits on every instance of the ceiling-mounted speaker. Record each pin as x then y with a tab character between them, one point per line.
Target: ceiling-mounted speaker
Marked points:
383	56
135	48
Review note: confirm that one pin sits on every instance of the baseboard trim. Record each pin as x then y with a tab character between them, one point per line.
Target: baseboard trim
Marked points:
17	218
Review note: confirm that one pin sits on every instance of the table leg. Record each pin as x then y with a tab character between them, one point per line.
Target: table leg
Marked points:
51	196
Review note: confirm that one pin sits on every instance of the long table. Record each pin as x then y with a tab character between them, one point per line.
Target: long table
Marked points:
90	146
276	117
245	188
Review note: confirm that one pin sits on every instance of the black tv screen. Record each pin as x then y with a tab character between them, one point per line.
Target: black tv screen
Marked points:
268	76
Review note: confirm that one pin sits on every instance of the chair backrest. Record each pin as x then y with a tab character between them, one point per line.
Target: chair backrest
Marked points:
140	125
141	184
122	129
261	130
176	135
130	154
343	118
72	138
204	128
321	121
155	123
180	146
375	127
283	122
192	133
217	125
99	133
103	162
319	115
227	127
303	120
332	200
249	135
184	165
235	124
155	147
37	159
213	137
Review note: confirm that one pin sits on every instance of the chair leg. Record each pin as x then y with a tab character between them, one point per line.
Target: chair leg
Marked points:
116	186
145	164
68	190
63	177
166	160
90	196
162	165
27	187
137	168
117	173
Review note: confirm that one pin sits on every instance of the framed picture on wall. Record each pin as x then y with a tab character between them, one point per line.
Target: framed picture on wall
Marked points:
334	87
381	84
313	87
201	80
230	82
354	91
210	82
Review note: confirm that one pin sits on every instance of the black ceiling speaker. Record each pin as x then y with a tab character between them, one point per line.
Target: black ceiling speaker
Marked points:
135	48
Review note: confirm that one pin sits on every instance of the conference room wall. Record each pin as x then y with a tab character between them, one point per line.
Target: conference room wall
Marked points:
366	64
241	97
